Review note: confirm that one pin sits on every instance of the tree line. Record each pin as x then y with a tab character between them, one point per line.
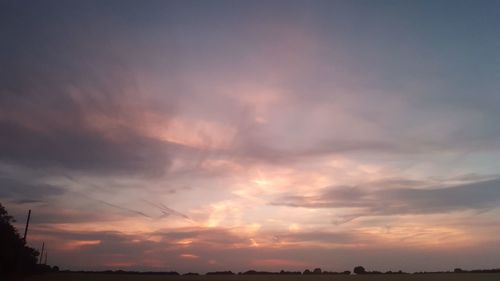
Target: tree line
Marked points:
15	256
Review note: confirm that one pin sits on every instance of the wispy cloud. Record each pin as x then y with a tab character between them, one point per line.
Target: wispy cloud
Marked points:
380	201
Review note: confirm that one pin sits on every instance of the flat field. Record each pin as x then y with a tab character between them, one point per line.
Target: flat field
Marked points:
395	277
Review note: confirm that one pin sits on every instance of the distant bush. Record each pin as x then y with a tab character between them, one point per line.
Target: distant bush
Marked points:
290	272
395	272
346	272
359	270
220	273
254	272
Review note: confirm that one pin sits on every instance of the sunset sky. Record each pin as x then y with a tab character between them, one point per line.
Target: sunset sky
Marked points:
267	135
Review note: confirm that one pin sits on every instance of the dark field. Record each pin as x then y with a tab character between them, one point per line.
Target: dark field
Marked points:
396	277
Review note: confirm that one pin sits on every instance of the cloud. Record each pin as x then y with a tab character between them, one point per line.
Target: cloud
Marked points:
27	192
167	211
66	104
321	238
145	251
369	201
209	237
86	113
81	149
112	249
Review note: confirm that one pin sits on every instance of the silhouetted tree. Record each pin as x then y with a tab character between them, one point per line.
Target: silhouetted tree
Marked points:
15	256
220	273
317	271
307	271
290	272
359	270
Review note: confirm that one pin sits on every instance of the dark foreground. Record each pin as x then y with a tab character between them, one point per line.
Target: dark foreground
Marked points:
395	277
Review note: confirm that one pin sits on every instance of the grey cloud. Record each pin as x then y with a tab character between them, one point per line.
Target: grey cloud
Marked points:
366	145
50	214
482	195
400	183
27	192
164	210
44	119
80	149
120	207
251	149
160	207
260	150
54	81
473	177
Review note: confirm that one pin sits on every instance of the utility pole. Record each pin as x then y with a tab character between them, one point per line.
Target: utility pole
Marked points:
45	262
41	253
27	225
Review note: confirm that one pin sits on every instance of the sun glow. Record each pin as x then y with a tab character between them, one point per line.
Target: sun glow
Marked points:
188	256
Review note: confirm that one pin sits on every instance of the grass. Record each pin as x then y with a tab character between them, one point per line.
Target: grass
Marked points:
395	277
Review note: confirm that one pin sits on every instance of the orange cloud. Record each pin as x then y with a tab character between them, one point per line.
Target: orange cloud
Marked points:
188	256
72	245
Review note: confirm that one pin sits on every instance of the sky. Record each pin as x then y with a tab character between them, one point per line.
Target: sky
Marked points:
266	135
